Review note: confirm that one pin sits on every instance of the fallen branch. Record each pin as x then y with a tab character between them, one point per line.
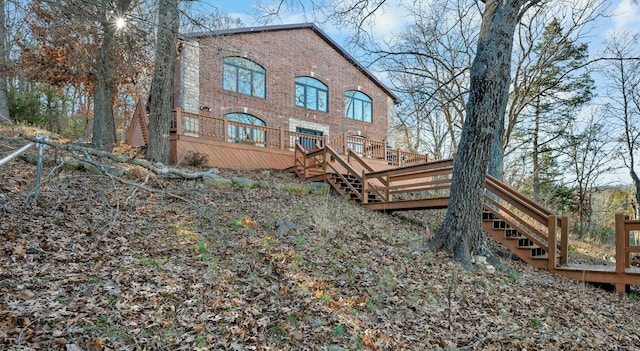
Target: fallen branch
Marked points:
157	168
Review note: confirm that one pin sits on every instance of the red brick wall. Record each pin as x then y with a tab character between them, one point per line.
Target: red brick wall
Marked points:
286	54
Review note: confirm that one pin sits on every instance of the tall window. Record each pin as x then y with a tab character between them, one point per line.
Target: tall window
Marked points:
243	133
244	76
312	94
357	106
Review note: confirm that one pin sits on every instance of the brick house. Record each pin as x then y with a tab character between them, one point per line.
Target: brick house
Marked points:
291	78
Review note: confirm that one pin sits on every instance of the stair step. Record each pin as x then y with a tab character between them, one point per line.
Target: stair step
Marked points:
544	256
488	216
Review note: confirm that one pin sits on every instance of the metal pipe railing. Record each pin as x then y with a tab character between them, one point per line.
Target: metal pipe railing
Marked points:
41	149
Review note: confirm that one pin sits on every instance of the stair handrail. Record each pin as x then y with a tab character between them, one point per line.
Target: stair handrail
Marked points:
367	186
41	148
333	155
522	227
354	155
414	169
544	217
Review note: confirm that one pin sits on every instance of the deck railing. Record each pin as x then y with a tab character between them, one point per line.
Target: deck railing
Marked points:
372	149
222	129
432	181
624	248
428	184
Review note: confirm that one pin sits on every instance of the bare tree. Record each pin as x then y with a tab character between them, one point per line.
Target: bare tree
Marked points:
588	154
429	68
623	68
162	84
4	57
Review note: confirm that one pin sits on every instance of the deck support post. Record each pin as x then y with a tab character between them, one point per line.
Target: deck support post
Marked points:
365	191
564	240
552	243
621	256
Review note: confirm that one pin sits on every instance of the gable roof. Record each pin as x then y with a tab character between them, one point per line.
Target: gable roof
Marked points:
311	26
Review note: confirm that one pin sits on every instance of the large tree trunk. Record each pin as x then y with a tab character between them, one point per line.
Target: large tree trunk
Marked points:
162	83
461	232
4	101
104	130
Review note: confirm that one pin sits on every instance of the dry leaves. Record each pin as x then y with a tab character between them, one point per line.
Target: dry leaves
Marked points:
92	268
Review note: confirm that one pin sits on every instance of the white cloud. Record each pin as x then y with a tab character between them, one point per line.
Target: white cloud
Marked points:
625	18
390	20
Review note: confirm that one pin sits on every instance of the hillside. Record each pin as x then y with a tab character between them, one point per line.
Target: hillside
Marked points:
99	265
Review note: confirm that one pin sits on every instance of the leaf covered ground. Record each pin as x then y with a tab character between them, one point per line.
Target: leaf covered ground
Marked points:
98	265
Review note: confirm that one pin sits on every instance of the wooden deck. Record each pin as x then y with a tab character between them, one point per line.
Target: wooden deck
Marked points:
524	227
231	144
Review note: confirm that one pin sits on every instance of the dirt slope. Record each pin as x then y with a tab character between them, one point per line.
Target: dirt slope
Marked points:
97	265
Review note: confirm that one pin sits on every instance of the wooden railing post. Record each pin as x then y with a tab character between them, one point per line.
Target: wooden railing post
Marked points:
225	130
621	250
551	242
564	240
344	143
281	138
365	191
327	158
305	166
179	130
620	243
388	189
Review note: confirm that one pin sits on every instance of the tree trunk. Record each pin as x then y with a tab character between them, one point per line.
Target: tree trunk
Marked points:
162	83
4	100
536	152
496	161
461	232
104	130
636	185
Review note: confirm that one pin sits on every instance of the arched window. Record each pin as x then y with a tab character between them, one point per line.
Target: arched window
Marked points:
357	106
312	94
244	76
242	133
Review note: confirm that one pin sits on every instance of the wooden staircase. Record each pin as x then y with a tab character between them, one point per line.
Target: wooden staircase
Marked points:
517	242
524	227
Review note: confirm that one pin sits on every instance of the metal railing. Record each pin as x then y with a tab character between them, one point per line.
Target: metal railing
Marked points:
41	148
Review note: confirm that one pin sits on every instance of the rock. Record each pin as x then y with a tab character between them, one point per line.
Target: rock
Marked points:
490	269
319	188
215	182
480	260
243	182
73	347
283	228
266	173
263	184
